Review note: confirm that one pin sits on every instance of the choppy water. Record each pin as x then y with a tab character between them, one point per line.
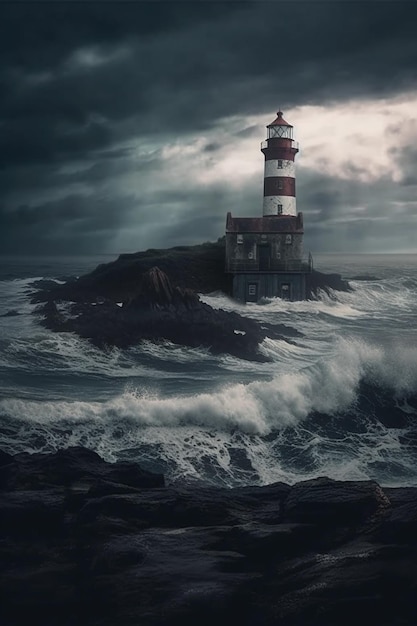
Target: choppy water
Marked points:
342	401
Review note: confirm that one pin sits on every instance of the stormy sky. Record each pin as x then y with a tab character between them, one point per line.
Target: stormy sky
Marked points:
131	125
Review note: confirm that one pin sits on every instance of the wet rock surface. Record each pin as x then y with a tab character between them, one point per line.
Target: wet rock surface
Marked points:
160	311
152	295
87	542
318	281
200	268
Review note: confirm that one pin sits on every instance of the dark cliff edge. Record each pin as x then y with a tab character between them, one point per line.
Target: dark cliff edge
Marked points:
92	543
200	268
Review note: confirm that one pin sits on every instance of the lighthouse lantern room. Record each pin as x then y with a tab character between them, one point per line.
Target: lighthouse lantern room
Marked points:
265	254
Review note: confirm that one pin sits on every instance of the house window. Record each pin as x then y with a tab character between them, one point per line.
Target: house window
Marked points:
278	255
252	289
250	255
279	209
280	164
288	239
240	239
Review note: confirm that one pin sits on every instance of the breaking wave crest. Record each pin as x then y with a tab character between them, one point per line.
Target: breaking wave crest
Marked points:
340	400
328	387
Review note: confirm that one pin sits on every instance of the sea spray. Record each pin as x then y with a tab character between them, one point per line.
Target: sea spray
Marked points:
339	400
329	387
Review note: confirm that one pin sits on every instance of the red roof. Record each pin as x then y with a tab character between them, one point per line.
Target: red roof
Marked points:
279	121
269	224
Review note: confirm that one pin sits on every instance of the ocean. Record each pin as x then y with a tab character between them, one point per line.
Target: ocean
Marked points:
340	401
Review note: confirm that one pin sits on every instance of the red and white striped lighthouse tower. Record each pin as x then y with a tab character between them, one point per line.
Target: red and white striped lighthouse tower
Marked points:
279	180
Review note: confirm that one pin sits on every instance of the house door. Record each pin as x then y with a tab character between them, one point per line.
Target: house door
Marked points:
252	292
285	291
264	255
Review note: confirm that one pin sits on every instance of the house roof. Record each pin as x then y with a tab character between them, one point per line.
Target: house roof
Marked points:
269	224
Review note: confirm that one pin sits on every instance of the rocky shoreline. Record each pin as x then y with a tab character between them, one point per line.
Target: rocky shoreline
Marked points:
160	311
134	299
200	268
88	542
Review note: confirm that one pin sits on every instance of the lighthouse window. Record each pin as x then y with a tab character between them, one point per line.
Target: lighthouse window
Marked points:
280	164
288	239
279	209
280	184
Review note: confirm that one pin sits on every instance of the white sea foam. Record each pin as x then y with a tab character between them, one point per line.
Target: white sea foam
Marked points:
259	407
329	305
166	351
65	352
380	298
189	409
14	295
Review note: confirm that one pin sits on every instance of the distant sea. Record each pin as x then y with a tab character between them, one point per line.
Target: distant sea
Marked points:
340	401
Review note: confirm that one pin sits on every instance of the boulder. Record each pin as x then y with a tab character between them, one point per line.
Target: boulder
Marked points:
89	542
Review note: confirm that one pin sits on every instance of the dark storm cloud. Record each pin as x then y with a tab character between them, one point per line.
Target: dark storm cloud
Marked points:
80	80
75	223
40	35
346	215
182	66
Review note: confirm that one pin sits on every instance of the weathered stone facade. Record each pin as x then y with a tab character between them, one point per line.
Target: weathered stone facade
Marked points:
265	255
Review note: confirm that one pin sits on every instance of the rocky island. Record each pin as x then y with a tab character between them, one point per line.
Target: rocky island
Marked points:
153	295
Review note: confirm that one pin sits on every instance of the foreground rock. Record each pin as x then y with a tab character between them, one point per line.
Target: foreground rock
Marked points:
85	542
159	311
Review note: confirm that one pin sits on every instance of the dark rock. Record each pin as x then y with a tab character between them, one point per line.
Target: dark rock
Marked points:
199	268
46	513
401	523
156	291
324	500
77	469
159	312
87	542
317	281
7	469
154	309
5	459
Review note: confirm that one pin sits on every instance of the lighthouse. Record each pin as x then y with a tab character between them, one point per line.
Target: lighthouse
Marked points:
279	179
264	255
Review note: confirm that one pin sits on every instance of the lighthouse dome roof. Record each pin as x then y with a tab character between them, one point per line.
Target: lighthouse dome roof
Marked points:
279	121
